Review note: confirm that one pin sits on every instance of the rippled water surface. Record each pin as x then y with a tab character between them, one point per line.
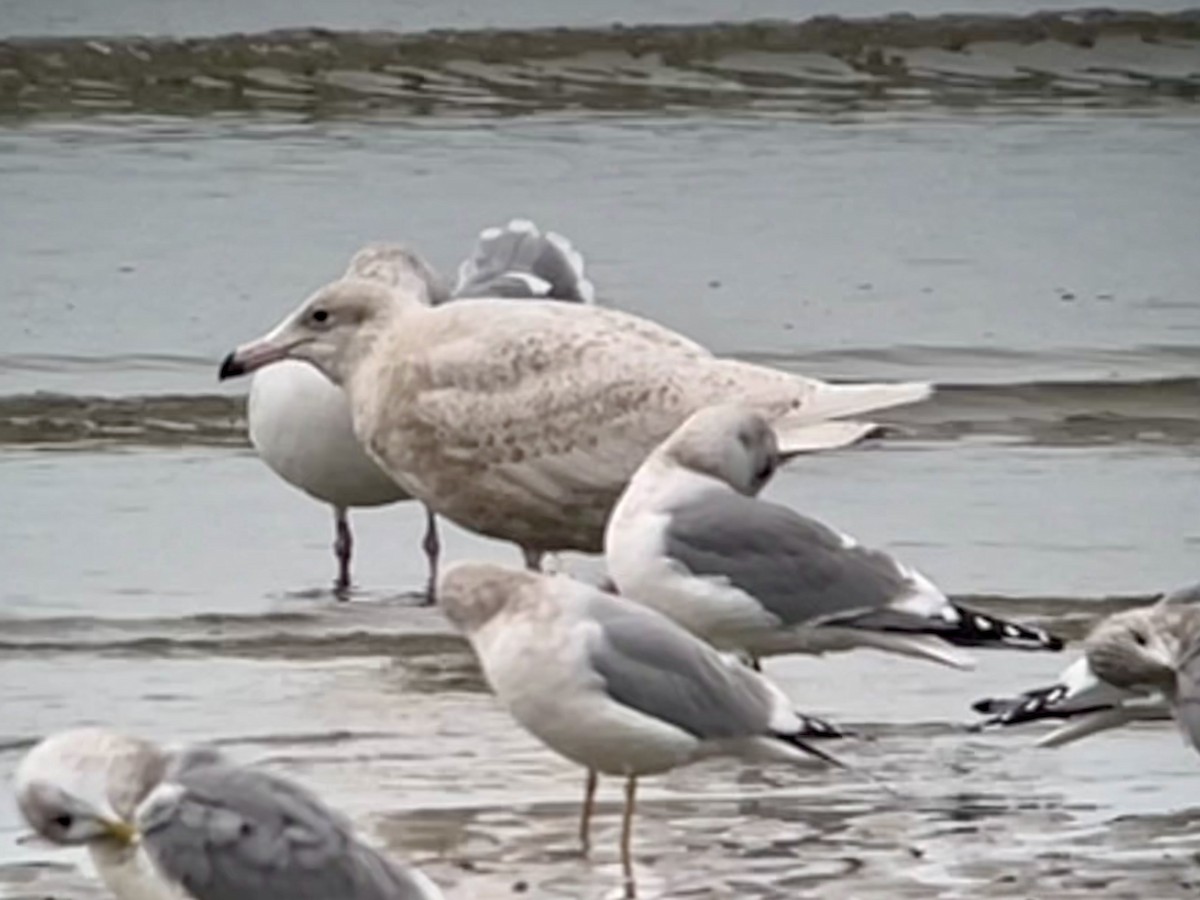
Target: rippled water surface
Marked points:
1006	206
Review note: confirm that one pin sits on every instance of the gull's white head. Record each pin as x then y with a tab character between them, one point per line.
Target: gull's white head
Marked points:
399	267
336	325
471	594
731	443
82	786
1138	648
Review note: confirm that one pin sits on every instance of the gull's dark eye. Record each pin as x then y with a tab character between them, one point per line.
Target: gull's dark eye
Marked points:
64	821
320	315
1139	639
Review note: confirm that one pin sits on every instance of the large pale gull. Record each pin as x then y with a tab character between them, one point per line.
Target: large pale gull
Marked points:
615	687
1138	664
691	539
300	421
523	421
191	825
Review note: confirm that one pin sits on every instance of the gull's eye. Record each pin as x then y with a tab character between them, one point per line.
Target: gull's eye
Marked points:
1139	639
320	315
64	821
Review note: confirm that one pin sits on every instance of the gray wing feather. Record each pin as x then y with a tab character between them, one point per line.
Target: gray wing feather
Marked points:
1186	706
798	569
519	261
1182	596
234	833
652	665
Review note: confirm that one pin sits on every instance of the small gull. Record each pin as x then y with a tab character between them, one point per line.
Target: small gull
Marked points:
1138	664
82	788
615	687
523	421
691	539
190	825
300	422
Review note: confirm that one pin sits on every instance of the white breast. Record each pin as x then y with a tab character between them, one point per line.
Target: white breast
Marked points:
542	675
635	554
129	873
301	427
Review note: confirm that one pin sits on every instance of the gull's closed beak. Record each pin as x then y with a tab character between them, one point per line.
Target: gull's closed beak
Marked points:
248	357
122	832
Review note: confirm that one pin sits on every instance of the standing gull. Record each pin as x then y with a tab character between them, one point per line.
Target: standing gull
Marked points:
615	687
523	421
690	539
192	826
1139	664
300	422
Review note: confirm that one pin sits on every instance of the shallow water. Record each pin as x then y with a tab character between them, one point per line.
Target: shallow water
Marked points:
187	17
1028	244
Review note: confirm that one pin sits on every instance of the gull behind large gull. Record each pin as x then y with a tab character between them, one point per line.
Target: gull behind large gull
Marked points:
615	687
1138	664
523	421
300	423
690	538
190	825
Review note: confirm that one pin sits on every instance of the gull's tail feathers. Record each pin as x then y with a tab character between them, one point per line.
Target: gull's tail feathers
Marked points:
518	260
1029	706
954	625
837	401
813	728
809	437
1077	693
976	629
799	740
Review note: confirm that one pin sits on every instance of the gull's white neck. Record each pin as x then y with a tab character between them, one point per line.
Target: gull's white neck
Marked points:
130	875
373	339
662	484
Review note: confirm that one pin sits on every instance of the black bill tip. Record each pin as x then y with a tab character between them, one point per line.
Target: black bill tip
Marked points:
231	367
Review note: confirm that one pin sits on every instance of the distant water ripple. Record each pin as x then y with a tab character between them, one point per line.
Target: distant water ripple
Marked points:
768	67
1052	411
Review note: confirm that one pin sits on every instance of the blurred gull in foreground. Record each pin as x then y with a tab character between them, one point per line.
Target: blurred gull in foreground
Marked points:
1139	664
690	539
193	826
615	687
523	421
300	422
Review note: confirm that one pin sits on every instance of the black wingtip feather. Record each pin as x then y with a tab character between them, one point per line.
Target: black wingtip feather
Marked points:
798	740
976	629
813	728
1028	707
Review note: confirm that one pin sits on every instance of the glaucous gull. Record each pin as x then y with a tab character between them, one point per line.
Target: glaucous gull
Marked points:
299	421
523	421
